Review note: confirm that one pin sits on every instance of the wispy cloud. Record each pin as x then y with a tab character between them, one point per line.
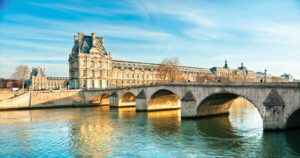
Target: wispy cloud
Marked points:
96	10
200	33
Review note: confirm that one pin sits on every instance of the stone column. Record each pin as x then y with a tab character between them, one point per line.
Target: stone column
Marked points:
141	101
274	111
114	100
188	105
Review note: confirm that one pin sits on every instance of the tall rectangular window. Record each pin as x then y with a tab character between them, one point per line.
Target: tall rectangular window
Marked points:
100	73
84	63
84	72
116	75
106	64
84	84
93	73
93	84
106	73
100	83
99	64
92	64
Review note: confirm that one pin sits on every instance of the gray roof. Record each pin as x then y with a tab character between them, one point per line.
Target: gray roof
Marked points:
57	78
84	43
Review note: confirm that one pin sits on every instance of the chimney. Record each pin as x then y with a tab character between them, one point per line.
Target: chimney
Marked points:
93	39
80	33
102	40
80	37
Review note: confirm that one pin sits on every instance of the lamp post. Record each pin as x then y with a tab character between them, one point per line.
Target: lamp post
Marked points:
265	75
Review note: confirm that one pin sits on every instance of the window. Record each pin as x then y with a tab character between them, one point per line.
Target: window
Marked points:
122	74
93	84
100	73
100	84
84	72
138	75
106	64
99	64
116	75
132	75
106	73
92	64
107	84
84	62
93	73
127	75
84	84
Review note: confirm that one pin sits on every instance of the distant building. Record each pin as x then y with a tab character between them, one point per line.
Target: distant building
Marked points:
288	77
90	66
40	81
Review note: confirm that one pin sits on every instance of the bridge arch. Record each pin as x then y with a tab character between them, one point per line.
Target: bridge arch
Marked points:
293	120
164	99
101	99
220	102
127	99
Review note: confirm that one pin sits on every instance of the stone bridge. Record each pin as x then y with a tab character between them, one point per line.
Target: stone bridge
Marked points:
277	103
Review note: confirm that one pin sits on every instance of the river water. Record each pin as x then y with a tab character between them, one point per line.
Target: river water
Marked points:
104	132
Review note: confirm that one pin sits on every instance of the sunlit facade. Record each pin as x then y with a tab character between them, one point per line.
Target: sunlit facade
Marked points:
91	66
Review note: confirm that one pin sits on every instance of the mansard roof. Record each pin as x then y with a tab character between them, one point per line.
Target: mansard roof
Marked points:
57	78
88	44
37	72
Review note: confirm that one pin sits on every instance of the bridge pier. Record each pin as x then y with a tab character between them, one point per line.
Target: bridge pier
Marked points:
273	118
188	105
141	103
114	100
274	108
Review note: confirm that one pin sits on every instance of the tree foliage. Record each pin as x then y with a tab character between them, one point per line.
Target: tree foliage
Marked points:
21	73
169	70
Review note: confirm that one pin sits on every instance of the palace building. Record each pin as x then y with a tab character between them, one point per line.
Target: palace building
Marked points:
91	66
40	81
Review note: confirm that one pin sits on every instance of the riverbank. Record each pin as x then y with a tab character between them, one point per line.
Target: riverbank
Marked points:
43	99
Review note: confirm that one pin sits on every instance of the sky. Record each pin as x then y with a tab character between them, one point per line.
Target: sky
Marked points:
201	33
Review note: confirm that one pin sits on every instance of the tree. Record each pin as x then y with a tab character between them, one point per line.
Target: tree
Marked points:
169	71
21	73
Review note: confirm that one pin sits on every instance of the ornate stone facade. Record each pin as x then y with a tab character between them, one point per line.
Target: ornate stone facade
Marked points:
90	66
40	81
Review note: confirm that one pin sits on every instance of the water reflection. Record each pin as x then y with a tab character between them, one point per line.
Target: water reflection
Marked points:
124	112
164	123
93	133
293	139
105	132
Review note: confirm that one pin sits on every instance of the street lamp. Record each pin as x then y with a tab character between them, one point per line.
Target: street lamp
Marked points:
265	75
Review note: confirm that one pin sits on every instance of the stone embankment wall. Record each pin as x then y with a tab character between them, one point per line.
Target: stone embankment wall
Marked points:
39	99
5	93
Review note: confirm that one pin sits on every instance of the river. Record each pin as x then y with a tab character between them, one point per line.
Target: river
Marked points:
105	132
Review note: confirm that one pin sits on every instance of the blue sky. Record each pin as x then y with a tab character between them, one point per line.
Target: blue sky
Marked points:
262	34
